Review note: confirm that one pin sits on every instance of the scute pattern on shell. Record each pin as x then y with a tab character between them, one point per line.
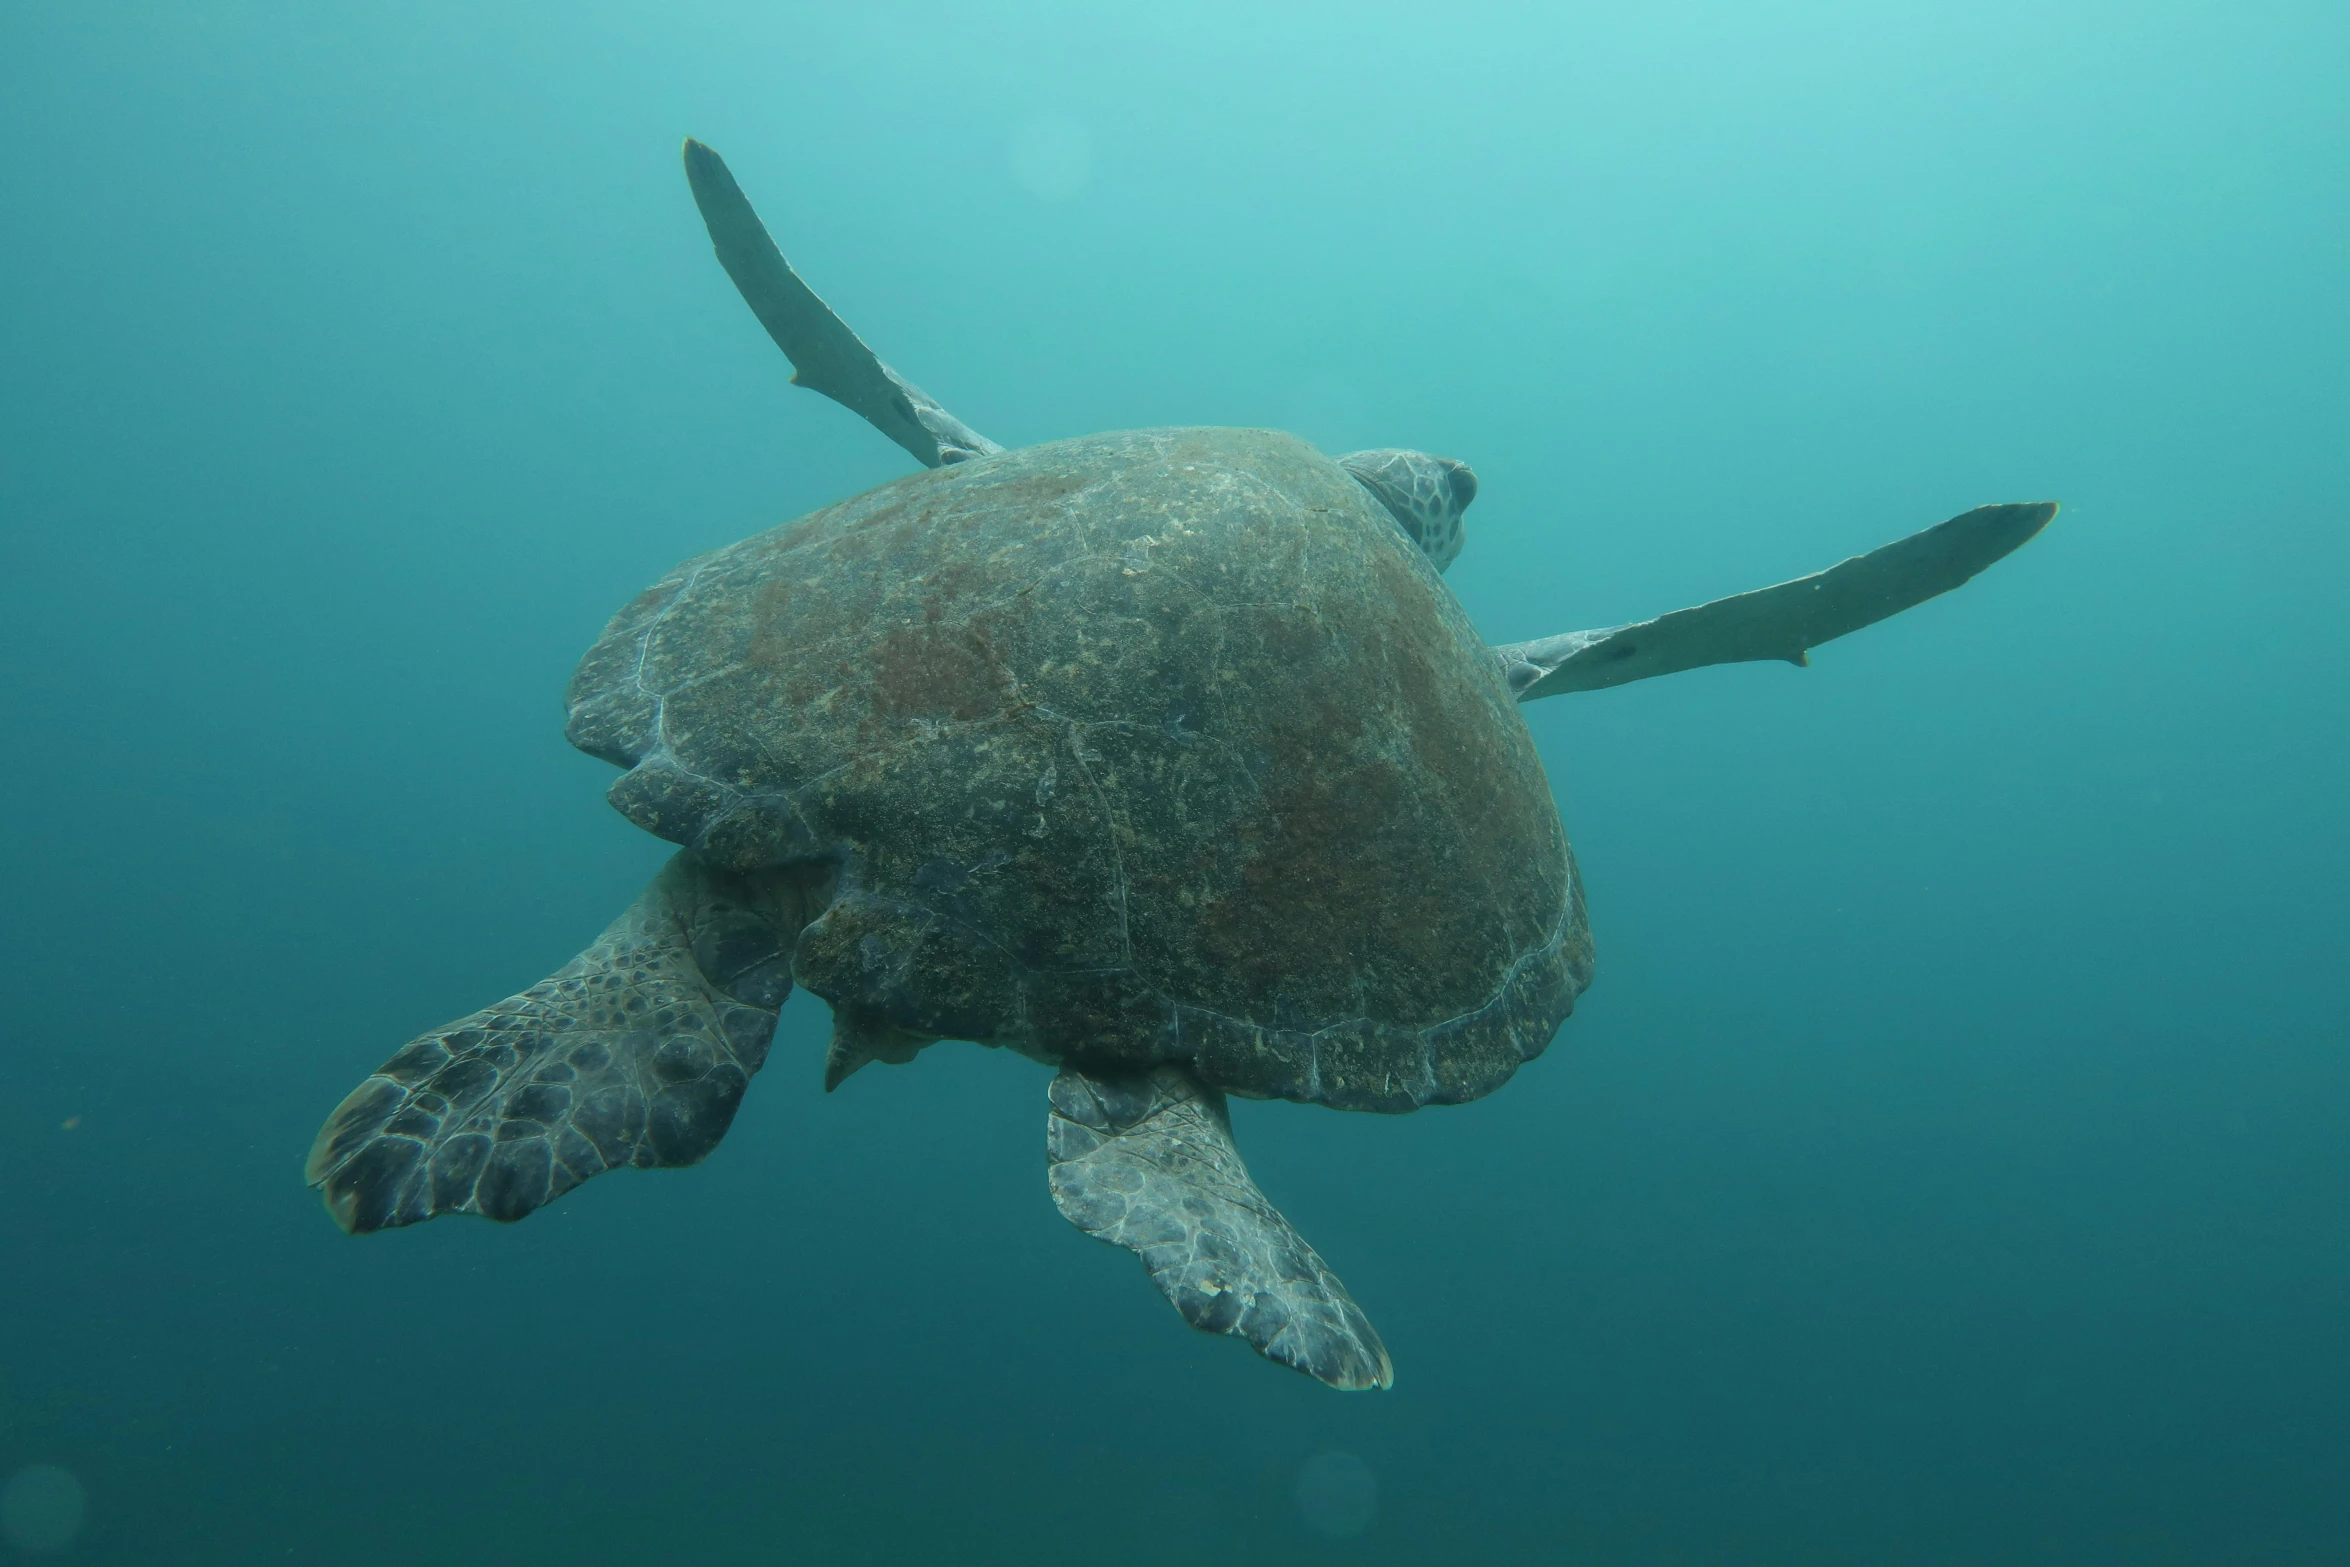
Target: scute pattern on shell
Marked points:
1154	746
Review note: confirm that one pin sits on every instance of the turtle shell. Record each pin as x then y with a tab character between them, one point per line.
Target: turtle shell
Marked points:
1158	745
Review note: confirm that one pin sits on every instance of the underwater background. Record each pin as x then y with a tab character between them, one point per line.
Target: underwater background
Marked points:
1949	1164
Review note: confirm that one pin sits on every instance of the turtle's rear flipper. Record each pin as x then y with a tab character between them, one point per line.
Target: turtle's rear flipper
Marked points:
1147	1162
1777	623
635	1053
826	356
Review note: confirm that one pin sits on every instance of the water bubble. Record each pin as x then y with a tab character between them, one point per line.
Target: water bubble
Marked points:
1337	1495
41	1508
1053	155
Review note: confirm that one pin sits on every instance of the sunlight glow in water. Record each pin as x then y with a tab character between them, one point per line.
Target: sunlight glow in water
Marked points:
1337	1495
1053	155
41	1508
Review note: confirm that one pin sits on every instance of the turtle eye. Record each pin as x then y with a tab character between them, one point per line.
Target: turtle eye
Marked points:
1461	480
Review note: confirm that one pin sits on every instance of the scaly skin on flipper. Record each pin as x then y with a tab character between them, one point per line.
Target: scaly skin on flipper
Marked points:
826	356
1781	623
635	1053
1146	1161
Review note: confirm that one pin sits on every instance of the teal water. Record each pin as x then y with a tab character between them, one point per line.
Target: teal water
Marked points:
1948	1165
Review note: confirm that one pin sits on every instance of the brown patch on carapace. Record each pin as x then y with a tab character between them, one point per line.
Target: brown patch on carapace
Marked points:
646	602
1510	841
1330	893
1330	913
938	672
1292	636
1032	492
1400	853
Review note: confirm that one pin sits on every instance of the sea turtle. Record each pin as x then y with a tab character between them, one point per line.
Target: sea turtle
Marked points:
1163	757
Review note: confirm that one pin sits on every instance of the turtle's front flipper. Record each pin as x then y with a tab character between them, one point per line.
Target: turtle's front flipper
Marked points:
1147	1162
826	356
1783	622
635	1053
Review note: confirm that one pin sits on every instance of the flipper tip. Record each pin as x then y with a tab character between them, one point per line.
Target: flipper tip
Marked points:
702	162
1374	1376
343	1208
2027	518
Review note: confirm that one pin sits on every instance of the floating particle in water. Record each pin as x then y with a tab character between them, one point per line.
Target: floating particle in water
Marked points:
41	1508
1337	1495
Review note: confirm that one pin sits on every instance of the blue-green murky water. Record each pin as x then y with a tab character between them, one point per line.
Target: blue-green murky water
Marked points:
1949	1163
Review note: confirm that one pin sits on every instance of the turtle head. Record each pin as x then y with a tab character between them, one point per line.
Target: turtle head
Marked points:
1426	495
